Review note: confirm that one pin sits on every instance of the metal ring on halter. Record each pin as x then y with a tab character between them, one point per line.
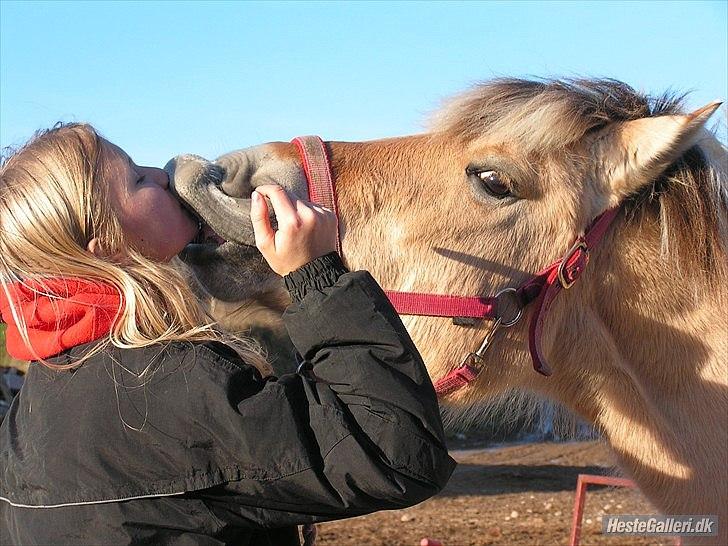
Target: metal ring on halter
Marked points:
514	293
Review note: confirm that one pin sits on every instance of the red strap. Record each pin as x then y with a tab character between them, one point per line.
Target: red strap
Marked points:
456	379
571	265
318	174
437	305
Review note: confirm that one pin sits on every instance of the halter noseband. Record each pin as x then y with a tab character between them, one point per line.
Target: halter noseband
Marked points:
541	289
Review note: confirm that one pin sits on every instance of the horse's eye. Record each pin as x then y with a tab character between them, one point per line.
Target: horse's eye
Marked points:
493	184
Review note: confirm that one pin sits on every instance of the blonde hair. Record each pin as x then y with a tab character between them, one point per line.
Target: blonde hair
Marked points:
53	201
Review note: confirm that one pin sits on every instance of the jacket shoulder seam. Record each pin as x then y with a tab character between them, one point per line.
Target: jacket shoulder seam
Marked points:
217	358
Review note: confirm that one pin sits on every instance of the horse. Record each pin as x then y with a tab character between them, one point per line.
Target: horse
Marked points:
506	177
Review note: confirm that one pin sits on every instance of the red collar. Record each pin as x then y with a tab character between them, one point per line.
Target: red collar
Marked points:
59	313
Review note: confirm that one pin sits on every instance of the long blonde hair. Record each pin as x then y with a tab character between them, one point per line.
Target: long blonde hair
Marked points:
53	201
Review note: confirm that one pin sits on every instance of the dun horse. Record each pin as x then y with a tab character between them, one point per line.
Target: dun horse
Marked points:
510	173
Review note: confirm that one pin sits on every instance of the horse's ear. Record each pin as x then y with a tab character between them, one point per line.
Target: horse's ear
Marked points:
630	154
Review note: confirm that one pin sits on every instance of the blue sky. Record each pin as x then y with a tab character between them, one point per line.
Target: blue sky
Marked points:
163	78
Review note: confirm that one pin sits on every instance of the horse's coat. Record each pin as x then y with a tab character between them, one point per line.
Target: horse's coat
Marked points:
638	346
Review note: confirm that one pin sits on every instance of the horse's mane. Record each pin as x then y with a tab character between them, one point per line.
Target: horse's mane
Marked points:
690	199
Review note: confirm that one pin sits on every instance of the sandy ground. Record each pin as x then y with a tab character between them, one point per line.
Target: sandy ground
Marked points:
513	495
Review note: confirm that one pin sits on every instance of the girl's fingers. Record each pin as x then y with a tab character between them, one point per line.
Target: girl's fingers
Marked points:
305	230
264	234
282	206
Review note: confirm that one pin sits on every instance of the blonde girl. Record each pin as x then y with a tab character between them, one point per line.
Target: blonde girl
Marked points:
139	421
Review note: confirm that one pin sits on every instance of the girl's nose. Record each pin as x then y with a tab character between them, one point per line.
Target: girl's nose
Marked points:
161	178
158	176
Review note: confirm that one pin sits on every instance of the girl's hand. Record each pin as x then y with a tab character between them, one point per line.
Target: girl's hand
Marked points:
305	231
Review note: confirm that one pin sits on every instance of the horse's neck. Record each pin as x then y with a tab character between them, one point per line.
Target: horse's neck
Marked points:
650	370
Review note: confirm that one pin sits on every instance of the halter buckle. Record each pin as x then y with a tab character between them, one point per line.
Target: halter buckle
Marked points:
579	246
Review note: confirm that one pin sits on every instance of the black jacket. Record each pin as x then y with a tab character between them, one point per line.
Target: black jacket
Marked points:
187	444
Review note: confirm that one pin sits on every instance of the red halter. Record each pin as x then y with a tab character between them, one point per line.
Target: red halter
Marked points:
542	288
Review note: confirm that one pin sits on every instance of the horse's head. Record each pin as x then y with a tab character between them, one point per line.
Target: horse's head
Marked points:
509	175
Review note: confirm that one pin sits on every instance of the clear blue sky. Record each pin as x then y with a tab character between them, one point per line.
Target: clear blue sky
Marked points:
162	78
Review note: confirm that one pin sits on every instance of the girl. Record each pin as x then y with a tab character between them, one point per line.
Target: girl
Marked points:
139	422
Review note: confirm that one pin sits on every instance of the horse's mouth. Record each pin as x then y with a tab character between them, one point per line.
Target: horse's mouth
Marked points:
209	250
207	236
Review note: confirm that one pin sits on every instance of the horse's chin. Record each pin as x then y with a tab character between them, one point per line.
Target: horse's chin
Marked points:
229	271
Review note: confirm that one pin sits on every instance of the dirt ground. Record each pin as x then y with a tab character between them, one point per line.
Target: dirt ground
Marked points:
513	495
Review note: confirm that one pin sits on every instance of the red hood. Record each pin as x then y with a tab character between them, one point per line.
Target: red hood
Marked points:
59	313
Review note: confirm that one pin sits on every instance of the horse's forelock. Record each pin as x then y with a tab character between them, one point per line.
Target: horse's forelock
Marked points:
545	114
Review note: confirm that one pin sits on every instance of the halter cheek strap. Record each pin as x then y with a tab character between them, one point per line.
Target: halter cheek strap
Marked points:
561	275
541	289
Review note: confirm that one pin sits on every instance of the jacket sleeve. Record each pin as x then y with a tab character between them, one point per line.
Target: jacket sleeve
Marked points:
357	428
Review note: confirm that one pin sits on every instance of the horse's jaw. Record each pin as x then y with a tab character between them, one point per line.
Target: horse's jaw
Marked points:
230	272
